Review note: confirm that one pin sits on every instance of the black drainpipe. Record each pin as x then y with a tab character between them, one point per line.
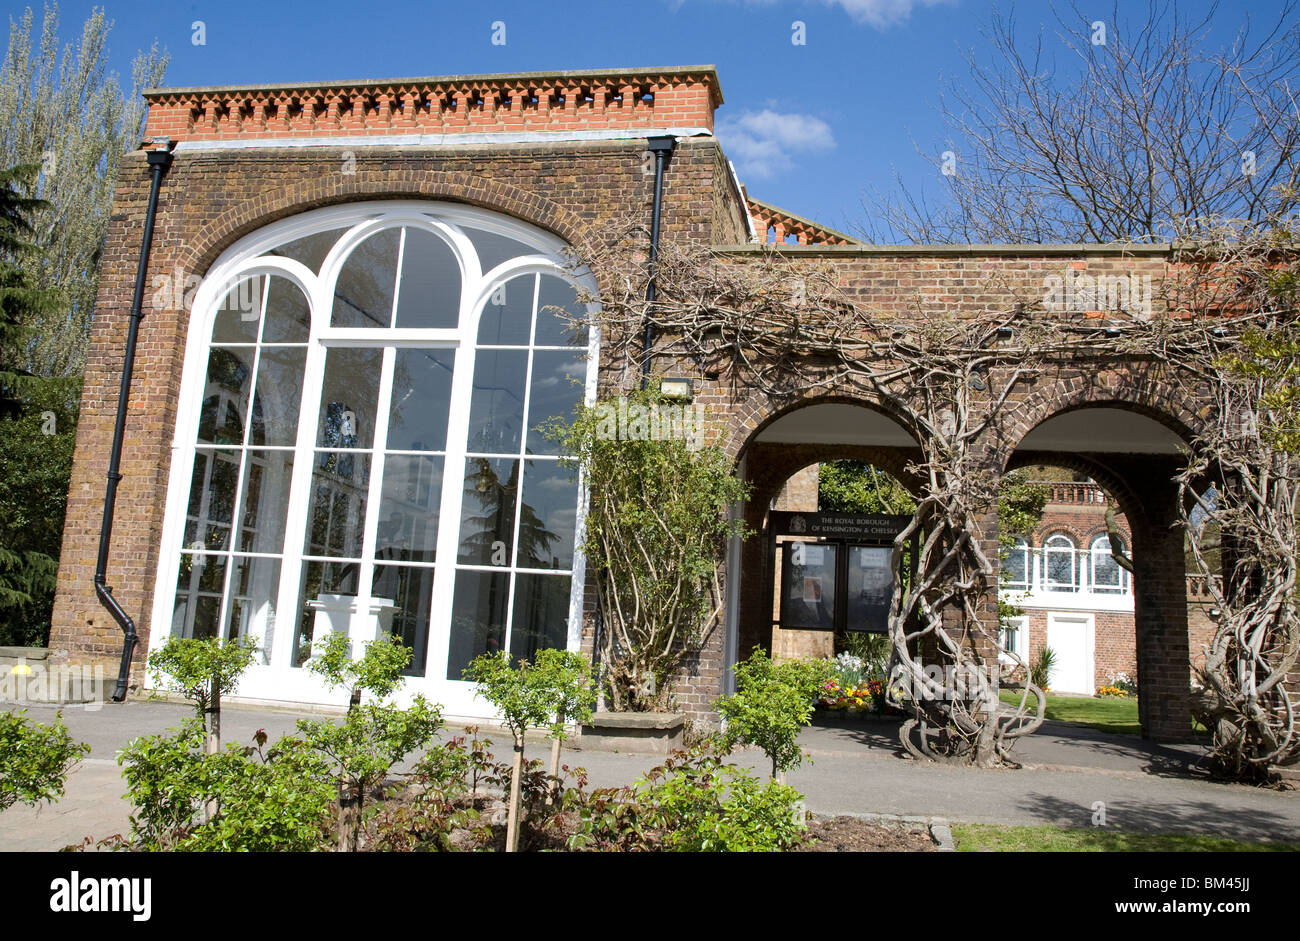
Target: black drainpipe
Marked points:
661	147
159	160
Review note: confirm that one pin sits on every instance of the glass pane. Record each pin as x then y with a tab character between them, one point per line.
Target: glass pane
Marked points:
310	249
557	301
350	398
547	516
541	614
279	392
254	586
487	513
1105	573
870	588
1060	567
507	316
478	618
421	399
808	586
493	249
1015	567
199	585
265	500
336	521
430	292
411	591
212	499
221	419
363	294
408	511
239	312
557	390
324	604
496	409
288	315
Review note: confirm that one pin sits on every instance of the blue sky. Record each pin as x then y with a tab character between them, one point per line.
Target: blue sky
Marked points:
810	126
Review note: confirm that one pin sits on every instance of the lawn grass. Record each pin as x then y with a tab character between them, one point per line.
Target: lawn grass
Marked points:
1106	715
974	838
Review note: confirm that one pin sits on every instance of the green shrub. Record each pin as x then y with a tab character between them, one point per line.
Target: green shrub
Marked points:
34	759
1040	672
772	704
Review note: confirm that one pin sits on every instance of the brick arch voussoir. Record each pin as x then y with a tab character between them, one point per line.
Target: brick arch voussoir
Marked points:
369	184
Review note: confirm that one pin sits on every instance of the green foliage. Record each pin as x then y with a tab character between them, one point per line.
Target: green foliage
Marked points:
556	689
371	739
772	704
1271	358
1020	507
68	116
692	803
190	665
655	533
872	649
379	670
855	487
34	759
1040	671
258	800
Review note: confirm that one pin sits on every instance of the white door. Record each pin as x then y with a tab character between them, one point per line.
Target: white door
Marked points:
1071	637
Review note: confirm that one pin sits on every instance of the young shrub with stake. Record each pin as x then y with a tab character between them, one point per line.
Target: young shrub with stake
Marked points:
373	736
555	689
203	671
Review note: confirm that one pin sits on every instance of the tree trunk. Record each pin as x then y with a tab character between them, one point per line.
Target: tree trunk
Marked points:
512	817
212	744
349	817
553	794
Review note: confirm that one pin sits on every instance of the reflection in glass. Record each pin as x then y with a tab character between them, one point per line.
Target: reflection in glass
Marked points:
496	408
254	586
808	586
421	400
310	249
212	499
221	418
493	249
411	591
478	617
279	392
265	500
487	513
556	392
547	516
557	302
430	286
507	317
337	512
363	293
408	511
323	603
870	587
199	586
240	312
541	614
350	397
288	315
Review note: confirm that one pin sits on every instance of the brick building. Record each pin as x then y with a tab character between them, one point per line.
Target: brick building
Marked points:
348	338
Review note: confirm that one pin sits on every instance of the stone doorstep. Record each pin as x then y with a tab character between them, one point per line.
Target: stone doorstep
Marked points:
940	828
22	653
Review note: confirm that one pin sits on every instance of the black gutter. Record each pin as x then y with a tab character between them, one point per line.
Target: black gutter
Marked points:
159	161
661	147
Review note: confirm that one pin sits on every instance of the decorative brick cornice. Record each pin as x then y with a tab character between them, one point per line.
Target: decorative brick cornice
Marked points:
774	225
530	101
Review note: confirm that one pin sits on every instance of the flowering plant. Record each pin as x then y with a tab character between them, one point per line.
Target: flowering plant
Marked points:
866	696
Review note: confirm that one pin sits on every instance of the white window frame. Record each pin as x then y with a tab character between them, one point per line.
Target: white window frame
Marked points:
1048	551
1020	624
1124	585
278	681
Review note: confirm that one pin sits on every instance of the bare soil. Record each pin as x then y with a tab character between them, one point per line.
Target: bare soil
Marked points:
853	835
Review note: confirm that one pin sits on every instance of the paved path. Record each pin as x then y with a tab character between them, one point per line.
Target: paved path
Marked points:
855	769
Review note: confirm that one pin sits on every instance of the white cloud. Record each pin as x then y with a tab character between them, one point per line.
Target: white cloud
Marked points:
765	143
881	14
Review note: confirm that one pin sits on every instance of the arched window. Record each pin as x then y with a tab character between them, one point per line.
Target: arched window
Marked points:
1015	566
1060	569
1105	575
359	447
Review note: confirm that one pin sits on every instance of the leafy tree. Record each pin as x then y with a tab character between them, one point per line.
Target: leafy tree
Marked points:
37	418
203	670
34	759
771	705
68	116
655	533
546	694
372	737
